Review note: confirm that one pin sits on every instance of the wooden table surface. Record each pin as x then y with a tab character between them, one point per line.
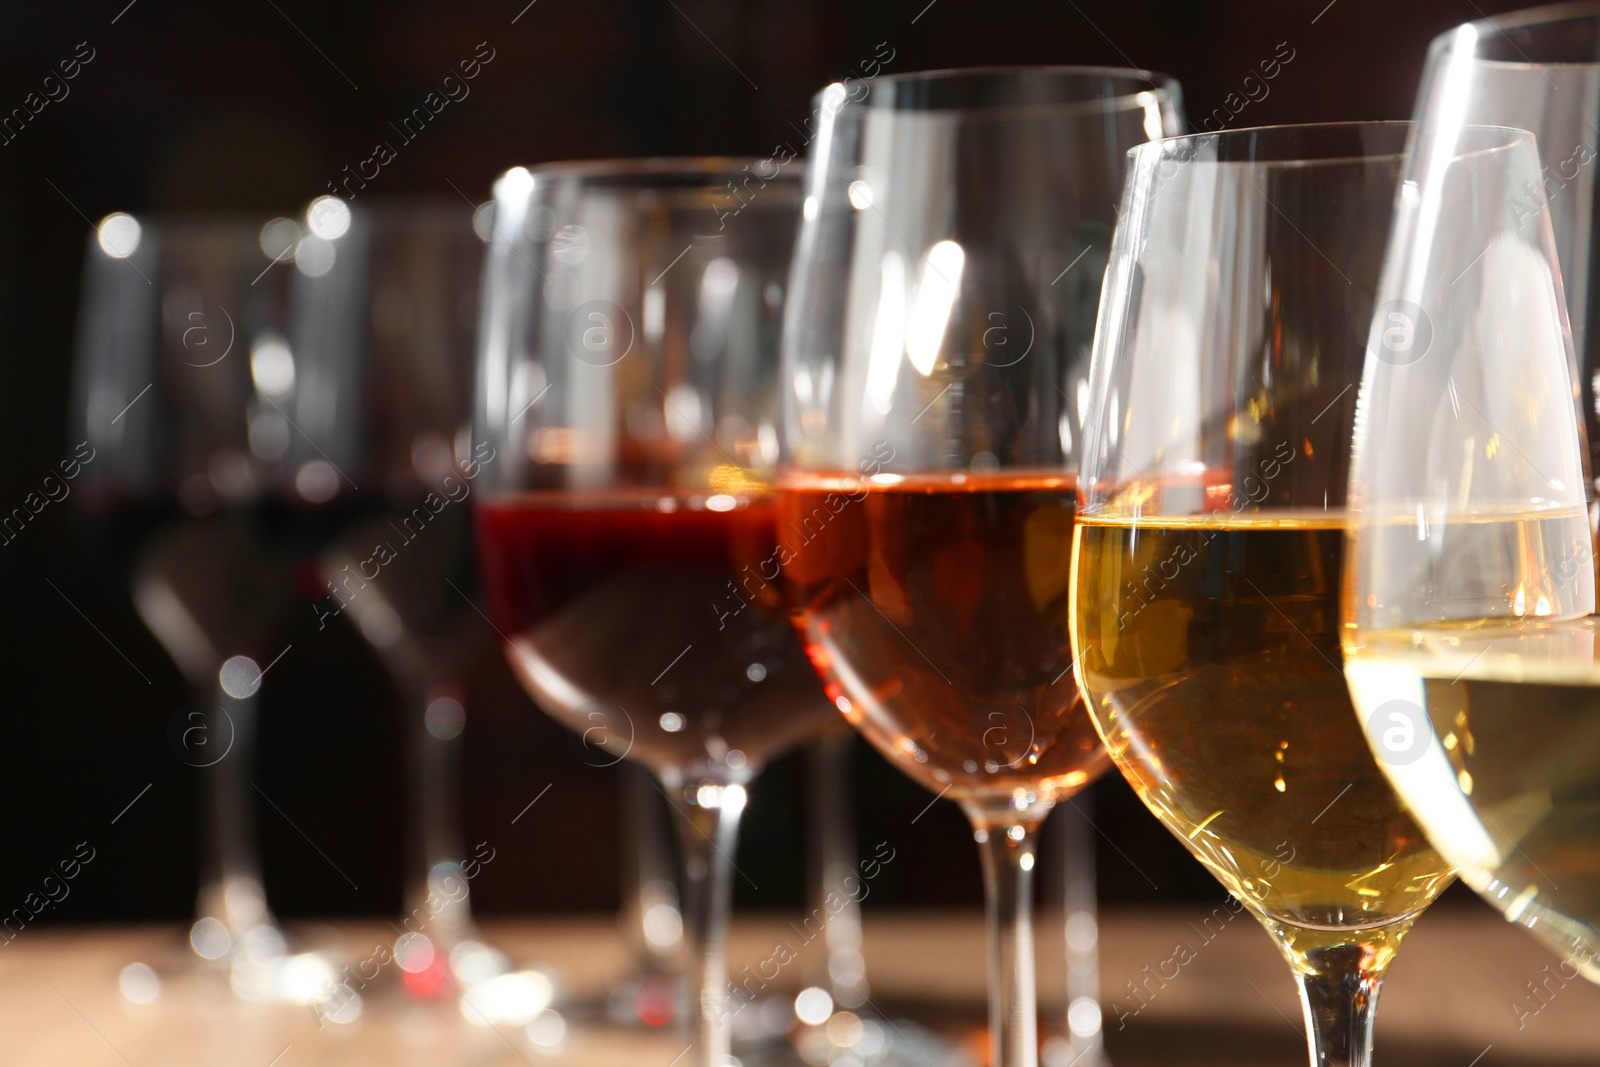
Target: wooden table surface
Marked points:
1449	999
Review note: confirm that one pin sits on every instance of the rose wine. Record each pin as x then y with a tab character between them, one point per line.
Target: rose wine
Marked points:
936	610
648	622
1209	650
1492	730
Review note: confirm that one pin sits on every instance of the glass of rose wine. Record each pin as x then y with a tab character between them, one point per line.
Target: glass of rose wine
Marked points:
1208	559
935	356
1471	639
627	379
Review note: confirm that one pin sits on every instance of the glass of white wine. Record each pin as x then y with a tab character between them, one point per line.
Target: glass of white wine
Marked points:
1207	560
1470	636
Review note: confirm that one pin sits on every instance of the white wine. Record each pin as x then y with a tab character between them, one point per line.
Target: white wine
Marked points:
1209	653
1491	731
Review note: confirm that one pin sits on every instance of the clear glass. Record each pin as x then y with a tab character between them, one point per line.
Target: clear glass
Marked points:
627	380
652	915
954	234
1206	564
1470	638
1082	1040
396	310
1535	70
301	447
184	389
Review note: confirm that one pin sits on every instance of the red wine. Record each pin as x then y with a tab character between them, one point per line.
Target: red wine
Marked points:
936	608
649	622
220	584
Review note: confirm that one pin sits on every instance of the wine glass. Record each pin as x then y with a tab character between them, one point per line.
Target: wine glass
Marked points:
954	232
1470	625
393	317
1207	561
627	368
183	387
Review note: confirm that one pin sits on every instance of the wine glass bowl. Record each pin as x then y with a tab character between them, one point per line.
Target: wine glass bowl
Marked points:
596	662
936	607
1210	555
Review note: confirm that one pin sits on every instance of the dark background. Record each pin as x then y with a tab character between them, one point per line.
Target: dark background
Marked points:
257	104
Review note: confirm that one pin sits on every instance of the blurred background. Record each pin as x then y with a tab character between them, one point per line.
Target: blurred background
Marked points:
258	106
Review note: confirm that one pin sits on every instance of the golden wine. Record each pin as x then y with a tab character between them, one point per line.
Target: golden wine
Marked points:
1208	648
1502	765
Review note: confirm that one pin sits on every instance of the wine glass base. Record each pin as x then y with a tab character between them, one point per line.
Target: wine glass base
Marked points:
1059	1050
212	966
863	1039
644	1000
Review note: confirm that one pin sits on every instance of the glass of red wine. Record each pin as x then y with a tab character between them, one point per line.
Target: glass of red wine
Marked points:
935	367
627	380
198	501
391	324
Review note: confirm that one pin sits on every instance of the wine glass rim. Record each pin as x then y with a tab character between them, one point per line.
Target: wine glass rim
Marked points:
406	205
1496	26
1530	17
421	207
400	213
1150	81
239	231
1284	131
195	219
1165	145
653	170
429	204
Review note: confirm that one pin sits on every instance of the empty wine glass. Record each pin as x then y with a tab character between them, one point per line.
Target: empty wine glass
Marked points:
954	235
1470	623
627	368
1207	562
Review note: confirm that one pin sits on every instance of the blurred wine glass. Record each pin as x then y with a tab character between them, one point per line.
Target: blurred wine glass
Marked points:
184	388
627	382
1081	1042
387	328
955	231
652	916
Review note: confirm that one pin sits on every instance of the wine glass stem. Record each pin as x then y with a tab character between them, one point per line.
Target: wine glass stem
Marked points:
1008	852
709	833
1340	1003
833	862
649	875
231	889
434	771
1075	834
